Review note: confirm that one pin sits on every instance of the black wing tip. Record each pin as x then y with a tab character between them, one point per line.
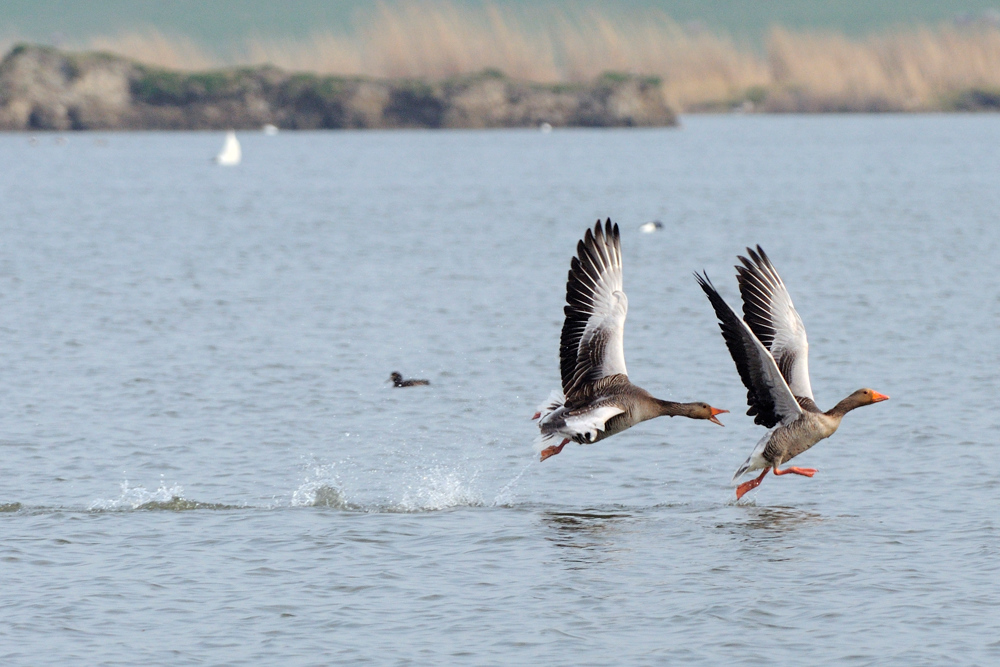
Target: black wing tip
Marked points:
758	259
607	229
704	281
598	241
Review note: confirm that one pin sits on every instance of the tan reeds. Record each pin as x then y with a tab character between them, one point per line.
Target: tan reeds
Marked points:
907	69
153	47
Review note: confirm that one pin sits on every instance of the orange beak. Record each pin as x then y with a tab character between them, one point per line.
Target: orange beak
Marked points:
876	397
716	411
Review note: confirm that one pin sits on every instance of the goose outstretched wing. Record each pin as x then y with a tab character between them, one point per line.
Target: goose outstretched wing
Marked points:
768	395
768	311
591	346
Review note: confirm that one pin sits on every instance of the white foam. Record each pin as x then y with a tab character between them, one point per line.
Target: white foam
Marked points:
403	486
135	497
315	490
439	488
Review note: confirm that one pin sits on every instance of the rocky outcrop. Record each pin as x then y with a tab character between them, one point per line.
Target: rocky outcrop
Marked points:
46	89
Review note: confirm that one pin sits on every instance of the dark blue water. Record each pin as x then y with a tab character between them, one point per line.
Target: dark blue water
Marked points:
203	462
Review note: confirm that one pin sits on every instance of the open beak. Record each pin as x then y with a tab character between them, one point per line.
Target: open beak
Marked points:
716	411
876	397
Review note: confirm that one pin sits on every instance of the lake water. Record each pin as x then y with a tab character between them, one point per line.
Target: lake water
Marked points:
204	464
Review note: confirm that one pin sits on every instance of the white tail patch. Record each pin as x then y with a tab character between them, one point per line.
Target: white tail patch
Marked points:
590	423
756	459
551	404
585	425
555	401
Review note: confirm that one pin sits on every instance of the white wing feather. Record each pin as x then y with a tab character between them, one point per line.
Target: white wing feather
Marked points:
782	329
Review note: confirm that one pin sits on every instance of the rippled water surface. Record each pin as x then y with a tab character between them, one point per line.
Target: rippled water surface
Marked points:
203	462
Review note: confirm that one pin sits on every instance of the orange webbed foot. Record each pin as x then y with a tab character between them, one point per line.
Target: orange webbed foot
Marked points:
552	450
805	472
752	484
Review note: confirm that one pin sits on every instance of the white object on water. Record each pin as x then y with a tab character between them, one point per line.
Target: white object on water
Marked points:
545	127
270	130
650	227
230	154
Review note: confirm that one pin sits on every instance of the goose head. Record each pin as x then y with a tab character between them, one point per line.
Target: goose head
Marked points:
858	399
867	397
706	411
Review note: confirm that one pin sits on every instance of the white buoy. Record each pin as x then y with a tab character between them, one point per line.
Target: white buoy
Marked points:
230	154
270	130
545	127
650	227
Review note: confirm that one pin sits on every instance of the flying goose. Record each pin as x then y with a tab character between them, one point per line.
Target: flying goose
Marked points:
597	400
771	353
397	381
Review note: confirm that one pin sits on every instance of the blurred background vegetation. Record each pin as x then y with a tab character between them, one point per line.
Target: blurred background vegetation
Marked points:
222	25
776	55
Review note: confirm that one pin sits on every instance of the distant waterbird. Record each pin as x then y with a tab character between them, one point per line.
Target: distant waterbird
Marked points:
269	129
397	381
650	227
231	154
771	353
545	127
597	399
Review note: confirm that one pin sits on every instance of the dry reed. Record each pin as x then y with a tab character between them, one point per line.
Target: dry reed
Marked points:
799	71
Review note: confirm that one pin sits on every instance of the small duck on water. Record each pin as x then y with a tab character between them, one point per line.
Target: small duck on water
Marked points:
398	381
651	227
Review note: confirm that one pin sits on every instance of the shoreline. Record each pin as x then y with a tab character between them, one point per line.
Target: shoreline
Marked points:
42	89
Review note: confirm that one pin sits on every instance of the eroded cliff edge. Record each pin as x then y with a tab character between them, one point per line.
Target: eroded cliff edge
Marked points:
46	89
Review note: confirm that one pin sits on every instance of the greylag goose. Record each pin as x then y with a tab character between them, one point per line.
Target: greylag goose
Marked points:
597	400
771	353
398	381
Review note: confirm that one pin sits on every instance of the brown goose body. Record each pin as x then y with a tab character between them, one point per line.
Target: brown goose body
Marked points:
786	442
771	353
597	399
636	405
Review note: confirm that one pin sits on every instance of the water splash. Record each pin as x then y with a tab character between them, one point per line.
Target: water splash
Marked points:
505	496
439	488
320	494
164	498
320	489
134	497
425	489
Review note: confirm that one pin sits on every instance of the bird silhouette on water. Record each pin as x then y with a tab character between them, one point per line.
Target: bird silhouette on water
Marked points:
398	381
